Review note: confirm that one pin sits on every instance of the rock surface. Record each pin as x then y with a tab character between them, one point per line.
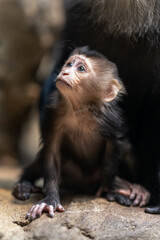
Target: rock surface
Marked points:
84	218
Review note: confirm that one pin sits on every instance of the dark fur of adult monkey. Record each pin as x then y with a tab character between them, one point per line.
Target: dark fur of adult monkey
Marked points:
128	33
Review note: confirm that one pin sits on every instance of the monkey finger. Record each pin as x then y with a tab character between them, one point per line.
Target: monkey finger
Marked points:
25	196
41	208
29	212
33	215
33	212
145	199
60	208
143	203
133	195
140	195
50	211
135	191
137	200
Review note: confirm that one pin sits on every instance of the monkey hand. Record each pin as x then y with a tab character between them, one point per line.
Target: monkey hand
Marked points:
23	189
126	193
48	205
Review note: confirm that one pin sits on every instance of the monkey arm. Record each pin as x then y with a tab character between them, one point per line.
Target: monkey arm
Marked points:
51	169
51	201
114	153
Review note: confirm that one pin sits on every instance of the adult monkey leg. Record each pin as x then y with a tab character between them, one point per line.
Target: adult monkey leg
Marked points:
154	146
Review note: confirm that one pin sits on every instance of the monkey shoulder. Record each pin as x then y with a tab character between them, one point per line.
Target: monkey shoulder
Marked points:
112	121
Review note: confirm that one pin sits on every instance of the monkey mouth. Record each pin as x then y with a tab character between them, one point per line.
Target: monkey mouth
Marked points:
63	81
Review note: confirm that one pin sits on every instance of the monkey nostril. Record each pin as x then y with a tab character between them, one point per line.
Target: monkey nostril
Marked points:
65	73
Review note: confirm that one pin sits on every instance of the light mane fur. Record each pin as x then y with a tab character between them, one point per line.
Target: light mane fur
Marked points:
128	17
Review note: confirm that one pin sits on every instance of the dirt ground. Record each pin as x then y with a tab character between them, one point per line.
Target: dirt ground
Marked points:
84	218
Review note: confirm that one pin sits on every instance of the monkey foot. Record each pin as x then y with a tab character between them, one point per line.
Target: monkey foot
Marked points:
37	210
126	193
134	194
135	199
153	210
139	195
22	190
115	196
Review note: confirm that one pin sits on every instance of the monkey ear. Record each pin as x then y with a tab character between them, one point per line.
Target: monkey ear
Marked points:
112	90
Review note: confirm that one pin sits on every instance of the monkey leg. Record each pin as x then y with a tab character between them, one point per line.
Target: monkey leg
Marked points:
25	186
127	194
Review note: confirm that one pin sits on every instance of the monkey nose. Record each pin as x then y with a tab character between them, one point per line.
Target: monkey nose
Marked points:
65	73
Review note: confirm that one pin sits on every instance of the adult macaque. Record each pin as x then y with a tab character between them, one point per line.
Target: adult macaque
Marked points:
128	33
84	136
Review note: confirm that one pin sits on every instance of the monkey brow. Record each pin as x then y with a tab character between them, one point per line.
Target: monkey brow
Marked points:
71	60
82	58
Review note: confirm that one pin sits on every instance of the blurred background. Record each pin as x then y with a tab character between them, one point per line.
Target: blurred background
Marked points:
28	34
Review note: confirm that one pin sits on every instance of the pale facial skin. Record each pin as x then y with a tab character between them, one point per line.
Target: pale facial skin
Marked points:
77	68
73	80
76	78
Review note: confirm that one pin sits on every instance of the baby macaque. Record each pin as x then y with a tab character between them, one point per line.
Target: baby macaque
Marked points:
84	136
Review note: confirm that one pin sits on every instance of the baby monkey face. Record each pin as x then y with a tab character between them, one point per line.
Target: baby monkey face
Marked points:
88	80
77	70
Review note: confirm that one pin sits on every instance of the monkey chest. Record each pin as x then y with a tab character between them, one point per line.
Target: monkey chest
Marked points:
80	140
83	147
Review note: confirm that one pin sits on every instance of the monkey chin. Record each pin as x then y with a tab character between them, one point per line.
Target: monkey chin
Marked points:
62	84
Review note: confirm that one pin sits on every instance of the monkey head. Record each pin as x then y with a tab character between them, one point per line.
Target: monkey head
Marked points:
87	77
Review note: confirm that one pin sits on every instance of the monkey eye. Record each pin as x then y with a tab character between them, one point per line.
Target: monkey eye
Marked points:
69	64
81	68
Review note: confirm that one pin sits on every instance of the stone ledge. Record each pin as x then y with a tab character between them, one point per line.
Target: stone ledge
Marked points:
84	218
